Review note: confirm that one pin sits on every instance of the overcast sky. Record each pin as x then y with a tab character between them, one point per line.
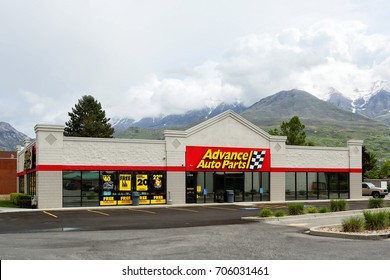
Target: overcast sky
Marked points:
152	57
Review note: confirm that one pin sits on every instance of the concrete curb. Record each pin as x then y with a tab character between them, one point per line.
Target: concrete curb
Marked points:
347	235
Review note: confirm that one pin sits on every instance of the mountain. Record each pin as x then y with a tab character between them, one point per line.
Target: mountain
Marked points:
326	124
374	103
177	120
10	138
283	105
338	99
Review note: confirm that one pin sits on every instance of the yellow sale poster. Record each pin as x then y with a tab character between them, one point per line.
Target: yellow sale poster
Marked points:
142	182
125	182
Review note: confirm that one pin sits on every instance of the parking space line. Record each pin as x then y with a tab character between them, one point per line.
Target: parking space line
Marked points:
220	208
98	212
50	214
143	211
182	209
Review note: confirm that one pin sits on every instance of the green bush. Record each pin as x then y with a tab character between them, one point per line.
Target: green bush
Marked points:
20	199
279	213
265	212
312	210
296	208
353	224
376	203
375	220
323	210
338	205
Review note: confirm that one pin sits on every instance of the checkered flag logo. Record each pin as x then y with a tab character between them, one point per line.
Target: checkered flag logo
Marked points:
257	159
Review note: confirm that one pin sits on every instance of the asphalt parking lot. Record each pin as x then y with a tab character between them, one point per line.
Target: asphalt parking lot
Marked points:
193	232
124	218
142	217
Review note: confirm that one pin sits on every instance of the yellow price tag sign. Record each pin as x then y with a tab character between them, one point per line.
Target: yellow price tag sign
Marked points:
142	182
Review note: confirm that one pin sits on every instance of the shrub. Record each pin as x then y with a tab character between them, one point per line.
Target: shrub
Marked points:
323	210
279	213
21	199
338	205
353	224
312	210
375	220
376	203
265	212
296	208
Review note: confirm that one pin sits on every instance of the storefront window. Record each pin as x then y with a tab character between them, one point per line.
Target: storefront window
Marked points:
21	184
32	183
290	186
211	187
110	188
71	190
321	185
344	185
265	194
312	185
90	188
301	192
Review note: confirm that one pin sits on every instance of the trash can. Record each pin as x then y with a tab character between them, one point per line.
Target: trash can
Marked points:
229	196
135	198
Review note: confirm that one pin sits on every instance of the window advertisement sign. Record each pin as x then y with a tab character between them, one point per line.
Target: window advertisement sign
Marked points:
227	159
158	194
142	186
107	198
125	182
117	187
142	182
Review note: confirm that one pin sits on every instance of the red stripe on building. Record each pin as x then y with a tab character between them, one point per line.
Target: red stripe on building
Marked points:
108	168
292	169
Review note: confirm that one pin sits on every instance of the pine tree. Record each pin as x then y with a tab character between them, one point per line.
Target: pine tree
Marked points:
87	119
294	130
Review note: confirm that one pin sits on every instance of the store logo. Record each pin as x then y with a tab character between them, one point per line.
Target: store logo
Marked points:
219	159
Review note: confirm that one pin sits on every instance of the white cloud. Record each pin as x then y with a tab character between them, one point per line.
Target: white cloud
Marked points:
338	54
143	61
162	96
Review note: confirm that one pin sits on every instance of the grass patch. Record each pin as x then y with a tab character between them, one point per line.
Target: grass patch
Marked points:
265	213
312	210
338	205
7	203
376	220
376	203
353	224
323	210
296	208
279	213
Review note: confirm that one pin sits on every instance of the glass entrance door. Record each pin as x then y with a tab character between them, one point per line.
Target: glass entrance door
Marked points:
228	181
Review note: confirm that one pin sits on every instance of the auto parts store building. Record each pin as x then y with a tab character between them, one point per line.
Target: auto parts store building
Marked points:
223	159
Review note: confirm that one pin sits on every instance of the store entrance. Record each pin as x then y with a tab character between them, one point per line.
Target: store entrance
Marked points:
228	181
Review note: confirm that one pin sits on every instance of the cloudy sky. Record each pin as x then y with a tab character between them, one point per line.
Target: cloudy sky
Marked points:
152	57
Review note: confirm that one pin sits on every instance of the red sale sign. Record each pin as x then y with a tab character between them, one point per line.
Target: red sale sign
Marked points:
227	159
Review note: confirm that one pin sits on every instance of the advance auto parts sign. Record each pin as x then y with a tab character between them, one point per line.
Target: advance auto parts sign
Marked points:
227	159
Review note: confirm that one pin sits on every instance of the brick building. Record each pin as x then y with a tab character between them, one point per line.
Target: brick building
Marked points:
7	172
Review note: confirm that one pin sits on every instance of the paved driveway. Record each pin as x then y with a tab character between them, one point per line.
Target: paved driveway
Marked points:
203	232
